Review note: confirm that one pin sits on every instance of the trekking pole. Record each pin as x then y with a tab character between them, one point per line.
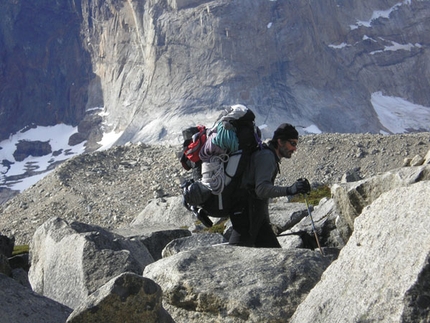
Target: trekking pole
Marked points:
313	225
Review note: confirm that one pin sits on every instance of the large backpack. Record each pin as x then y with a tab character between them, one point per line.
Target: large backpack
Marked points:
224	154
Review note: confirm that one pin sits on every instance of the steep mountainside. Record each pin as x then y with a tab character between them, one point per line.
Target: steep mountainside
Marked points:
44	69
156	65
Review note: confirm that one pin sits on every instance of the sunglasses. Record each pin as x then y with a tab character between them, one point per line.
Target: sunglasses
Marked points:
292	143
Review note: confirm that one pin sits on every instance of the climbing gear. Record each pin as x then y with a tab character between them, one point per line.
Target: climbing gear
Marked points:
223	153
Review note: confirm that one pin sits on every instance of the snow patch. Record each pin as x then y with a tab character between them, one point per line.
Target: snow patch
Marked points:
365	37
400	116
379	14
312	129
109	140
19	175
343	45
58	138
396	46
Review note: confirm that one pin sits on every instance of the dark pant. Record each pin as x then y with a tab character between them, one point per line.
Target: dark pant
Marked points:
252	228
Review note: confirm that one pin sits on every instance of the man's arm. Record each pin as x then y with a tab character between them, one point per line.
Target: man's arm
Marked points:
266	169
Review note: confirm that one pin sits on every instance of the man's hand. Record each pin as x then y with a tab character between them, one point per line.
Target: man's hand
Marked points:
300	186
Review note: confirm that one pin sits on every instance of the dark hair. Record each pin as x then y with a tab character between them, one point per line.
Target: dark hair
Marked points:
284	132
274	142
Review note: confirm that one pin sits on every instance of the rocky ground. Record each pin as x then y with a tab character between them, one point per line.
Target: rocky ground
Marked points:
110	188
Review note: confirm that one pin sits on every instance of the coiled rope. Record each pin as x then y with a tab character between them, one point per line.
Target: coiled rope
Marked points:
213	173
226	139
210	149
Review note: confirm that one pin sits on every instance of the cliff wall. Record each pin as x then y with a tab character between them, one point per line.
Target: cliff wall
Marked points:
156	66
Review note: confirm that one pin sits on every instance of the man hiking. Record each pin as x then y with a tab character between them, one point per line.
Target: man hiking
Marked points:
252	226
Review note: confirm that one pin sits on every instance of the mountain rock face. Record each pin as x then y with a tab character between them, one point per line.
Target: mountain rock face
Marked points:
44	69
157	66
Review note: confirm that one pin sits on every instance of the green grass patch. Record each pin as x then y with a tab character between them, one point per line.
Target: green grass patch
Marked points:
17	250
314	196
218	228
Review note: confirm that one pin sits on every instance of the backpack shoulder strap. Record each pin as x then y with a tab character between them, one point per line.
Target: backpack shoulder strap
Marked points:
278	161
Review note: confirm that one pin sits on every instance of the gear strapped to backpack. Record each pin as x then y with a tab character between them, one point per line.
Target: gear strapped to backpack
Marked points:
218	157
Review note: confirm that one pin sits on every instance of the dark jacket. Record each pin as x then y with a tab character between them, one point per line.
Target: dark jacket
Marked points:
260	177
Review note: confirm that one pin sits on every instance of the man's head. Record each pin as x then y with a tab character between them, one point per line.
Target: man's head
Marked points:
285	139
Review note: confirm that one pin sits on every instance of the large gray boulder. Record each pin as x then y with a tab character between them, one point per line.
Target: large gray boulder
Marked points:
71	261
382	274
236	284
352	198
291	241
161	221
193	242
127	298
285	215
21	304
153	238
167	211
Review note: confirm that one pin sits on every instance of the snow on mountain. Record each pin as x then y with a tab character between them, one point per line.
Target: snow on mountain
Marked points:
398	115
379	14
15	174
19	175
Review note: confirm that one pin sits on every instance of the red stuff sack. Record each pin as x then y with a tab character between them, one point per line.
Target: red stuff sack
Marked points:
195	138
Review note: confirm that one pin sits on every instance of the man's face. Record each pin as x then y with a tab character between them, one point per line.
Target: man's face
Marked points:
287	147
